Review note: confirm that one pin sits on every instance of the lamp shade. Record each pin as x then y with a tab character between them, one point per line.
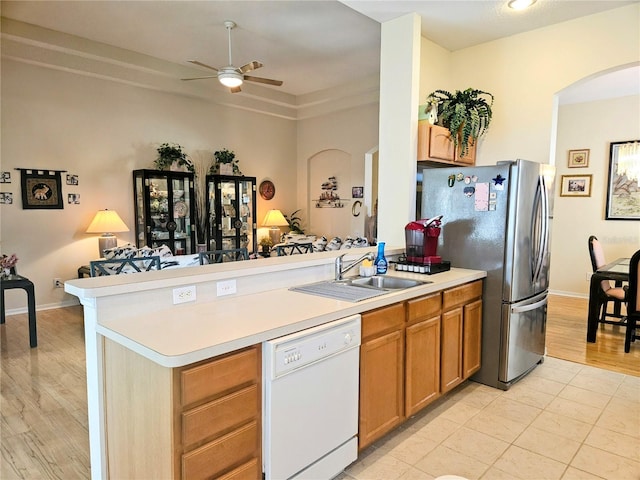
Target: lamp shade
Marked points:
107	221
274	218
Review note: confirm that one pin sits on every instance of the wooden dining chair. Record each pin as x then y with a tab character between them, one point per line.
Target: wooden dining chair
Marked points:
633	302
607	294
220	256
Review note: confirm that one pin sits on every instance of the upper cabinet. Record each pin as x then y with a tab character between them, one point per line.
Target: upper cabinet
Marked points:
231	209
435	145
164	210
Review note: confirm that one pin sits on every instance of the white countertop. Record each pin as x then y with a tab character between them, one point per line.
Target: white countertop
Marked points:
188	333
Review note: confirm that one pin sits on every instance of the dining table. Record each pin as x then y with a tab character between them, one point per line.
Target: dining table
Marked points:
617	271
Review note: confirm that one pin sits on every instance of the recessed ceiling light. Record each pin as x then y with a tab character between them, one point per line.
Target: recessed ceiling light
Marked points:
520	4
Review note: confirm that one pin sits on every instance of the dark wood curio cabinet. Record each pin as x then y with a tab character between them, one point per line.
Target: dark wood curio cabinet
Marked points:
165	210
231	211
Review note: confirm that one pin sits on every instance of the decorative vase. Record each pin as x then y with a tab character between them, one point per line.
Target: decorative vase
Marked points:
226	169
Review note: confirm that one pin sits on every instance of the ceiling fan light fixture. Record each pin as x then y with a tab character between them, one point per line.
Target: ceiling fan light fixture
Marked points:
230	79
520	4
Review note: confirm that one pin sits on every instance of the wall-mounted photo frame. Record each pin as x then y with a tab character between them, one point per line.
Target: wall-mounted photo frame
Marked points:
6	198
5	177
41	189
357	192
578	158
575	186
72	179
623	190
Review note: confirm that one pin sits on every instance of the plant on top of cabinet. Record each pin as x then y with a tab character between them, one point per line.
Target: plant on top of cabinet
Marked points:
170	153
226	163
465	113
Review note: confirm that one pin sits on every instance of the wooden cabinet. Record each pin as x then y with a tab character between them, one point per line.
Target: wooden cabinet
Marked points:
194	422
220	415
422	344
461	334
435	145
381	373
412	352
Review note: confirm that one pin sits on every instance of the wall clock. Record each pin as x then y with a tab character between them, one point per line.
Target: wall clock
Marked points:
267	189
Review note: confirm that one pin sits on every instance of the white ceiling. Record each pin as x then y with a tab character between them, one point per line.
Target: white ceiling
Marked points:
310	45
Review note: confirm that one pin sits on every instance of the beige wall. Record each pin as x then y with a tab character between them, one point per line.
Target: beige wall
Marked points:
592	126
102	131
525	72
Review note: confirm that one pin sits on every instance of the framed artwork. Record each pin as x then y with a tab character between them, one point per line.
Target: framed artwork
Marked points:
623	192
72	179
575	186
5	177
6	198
578	158
357	192
41	189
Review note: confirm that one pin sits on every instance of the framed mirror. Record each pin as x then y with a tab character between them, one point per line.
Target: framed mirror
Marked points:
623	192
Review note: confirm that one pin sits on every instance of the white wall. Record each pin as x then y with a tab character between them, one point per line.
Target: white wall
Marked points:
102	131
592	126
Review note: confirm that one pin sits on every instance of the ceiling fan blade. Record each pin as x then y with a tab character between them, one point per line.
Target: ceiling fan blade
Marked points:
250	66
195	62
235	89
200	78
268	81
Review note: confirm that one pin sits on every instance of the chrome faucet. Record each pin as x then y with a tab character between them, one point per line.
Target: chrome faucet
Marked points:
339	260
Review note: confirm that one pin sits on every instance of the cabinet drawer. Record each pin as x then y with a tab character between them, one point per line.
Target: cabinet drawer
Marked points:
249	470
221	415
382	320
220	375
424	307
221	455
460	295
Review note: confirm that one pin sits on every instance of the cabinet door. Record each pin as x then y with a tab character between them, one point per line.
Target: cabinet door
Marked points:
422	369
440	144
472	335
381	379
451	349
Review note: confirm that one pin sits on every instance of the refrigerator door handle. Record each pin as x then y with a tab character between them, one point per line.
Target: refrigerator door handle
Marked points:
544	230
529	307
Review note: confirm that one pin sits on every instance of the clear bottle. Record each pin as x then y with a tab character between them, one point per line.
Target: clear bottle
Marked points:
381	263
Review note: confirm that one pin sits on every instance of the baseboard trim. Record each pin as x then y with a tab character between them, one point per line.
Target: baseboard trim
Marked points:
48	306
560	293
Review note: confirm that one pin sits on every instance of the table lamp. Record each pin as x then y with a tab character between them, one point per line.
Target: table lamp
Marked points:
275	220
107	222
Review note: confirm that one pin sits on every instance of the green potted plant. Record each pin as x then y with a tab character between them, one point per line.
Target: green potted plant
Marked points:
266	244
226	163
172	154
294	223
466	114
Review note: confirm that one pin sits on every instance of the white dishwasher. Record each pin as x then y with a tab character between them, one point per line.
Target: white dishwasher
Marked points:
310	402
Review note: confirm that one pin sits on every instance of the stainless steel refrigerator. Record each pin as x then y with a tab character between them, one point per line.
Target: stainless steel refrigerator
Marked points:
498	218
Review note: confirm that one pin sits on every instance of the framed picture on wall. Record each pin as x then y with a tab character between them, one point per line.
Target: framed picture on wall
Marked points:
579	158
623	192
575	186
41	189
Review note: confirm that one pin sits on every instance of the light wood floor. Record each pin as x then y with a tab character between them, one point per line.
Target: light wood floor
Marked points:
43	407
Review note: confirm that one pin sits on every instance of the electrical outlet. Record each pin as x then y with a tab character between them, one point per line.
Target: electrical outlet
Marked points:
588	276
228	287
184	294
57	283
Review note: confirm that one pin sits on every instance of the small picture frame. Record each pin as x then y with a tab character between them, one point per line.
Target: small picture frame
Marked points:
578	158
6	198
72	179
357	192
575	186
5	177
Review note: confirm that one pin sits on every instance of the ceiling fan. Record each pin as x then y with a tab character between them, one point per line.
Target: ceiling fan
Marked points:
231	76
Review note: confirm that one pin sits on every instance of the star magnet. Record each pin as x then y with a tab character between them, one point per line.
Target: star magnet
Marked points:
497	182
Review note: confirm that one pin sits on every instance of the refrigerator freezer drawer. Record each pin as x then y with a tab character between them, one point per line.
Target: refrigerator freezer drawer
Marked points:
523	337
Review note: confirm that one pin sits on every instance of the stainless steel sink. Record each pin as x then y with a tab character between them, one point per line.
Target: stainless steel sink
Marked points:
357	289
387	283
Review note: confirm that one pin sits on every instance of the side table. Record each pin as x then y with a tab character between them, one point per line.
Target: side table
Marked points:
17	281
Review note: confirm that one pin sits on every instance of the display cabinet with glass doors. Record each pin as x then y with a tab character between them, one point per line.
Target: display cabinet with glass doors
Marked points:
231	211
165	210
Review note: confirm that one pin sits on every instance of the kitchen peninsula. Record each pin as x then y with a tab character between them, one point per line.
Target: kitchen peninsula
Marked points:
150	360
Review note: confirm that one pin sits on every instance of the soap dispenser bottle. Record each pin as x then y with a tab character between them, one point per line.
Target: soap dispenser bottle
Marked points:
381	262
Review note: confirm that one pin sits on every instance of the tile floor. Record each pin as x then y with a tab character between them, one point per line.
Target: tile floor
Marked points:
563	421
